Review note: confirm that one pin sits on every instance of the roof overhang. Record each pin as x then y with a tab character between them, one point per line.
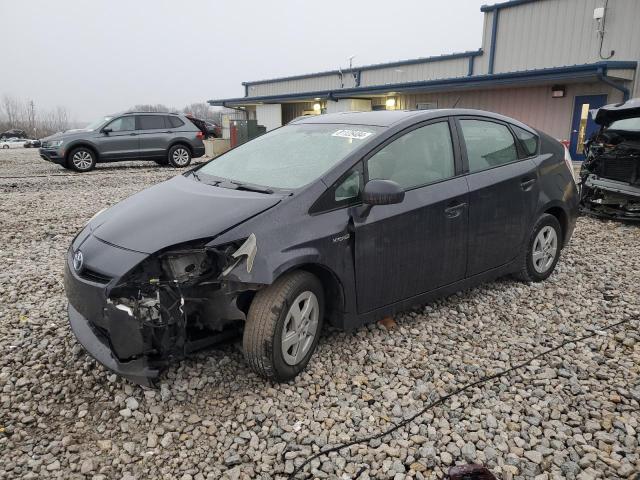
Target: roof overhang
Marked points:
570	74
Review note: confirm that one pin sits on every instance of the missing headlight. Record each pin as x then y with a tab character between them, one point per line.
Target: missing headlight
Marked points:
186	265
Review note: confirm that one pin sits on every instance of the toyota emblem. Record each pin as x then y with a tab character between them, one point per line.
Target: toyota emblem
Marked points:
78	261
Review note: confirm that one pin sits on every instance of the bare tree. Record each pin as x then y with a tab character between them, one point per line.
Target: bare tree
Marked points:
11	108
158	107
199	110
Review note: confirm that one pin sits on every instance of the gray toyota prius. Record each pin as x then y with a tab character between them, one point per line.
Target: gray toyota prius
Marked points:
341	218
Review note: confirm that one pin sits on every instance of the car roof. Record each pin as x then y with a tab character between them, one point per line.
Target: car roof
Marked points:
148	113
388	118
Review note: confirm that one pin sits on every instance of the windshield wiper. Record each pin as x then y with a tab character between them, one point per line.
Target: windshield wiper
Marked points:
249	187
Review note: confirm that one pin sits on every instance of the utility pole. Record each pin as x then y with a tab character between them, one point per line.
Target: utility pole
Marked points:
32	118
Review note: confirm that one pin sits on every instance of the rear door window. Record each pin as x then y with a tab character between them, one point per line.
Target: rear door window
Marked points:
151	122
528	140
489	144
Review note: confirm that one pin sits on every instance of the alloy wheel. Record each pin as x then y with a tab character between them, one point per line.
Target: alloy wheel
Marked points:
545	248
180	156
300	327
82	160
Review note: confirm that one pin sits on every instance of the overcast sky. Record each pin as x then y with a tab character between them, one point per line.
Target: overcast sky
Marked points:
98	57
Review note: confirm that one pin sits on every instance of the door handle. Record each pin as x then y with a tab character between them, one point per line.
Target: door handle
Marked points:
133	134
454	210
168	131
526	184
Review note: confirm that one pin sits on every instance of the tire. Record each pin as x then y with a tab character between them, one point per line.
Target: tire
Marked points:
179	156
81	159
270	317
5	147
545	244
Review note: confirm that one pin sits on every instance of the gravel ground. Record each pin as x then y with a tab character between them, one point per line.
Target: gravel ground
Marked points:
571	414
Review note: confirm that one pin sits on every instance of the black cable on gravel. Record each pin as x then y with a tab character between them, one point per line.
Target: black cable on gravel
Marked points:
442	400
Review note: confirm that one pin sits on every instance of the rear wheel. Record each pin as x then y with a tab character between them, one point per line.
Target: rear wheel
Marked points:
543	250
179	156
5	147
81	159
283	326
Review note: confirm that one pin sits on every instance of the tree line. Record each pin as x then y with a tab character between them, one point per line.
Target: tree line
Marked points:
36	123
22	115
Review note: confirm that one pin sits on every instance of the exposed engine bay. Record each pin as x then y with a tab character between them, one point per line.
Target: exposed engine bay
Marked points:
610	174
177	302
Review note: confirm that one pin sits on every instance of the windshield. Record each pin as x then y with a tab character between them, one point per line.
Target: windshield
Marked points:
629	124
290	157
95	124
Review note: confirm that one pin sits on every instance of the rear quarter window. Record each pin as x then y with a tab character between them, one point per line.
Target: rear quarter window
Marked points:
174	122
528	140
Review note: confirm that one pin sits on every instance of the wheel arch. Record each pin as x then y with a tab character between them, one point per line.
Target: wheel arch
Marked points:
334	294
81	144
563	219
183	142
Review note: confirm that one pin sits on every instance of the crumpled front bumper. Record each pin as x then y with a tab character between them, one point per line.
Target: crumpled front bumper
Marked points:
138	371
609	188
108	334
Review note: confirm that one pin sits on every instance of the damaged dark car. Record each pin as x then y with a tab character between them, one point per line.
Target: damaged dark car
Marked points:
341	218
610	174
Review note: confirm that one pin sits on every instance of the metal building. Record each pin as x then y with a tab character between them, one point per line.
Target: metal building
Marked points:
544	62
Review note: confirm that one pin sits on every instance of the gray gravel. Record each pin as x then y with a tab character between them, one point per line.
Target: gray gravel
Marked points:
575	414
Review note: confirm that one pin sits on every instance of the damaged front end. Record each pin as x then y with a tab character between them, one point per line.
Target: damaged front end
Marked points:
173	303
610	175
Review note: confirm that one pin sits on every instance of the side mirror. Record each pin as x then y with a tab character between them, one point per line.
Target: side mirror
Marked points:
382	192
106	131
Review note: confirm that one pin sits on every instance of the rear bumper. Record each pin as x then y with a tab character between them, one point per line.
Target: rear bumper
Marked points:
198	151
52	155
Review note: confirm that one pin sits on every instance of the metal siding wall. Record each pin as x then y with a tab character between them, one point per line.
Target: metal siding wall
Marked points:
420	71
532	105
311	84
481	63
552	33
269	115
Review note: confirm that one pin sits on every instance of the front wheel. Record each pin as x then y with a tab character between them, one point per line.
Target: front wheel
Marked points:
283	326
179	156
543	250
82	160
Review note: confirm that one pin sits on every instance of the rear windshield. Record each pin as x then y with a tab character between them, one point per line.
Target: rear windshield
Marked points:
629	124
290	157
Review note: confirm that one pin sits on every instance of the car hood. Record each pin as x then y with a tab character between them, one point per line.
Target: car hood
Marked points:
68	135
177	211
619	111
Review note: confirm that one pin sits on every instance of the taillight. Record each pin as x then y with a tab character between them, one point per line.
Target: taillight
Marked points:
200	135
567	160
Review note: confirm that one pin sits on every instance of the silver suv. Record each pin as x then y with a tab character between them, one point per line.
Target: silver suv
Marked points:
165	138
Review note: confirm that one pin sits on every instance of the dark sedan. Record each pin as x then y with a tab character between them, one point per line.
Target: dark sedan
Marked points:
343	218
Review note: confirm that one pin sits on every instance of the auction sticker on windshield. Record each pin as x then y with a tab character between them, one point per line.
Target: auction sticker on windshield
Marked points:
357	134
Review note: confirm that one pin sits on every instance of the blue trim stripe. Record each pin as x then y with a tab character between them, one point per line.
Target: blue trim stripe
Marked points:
375	66
494	34
476	81
511	3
